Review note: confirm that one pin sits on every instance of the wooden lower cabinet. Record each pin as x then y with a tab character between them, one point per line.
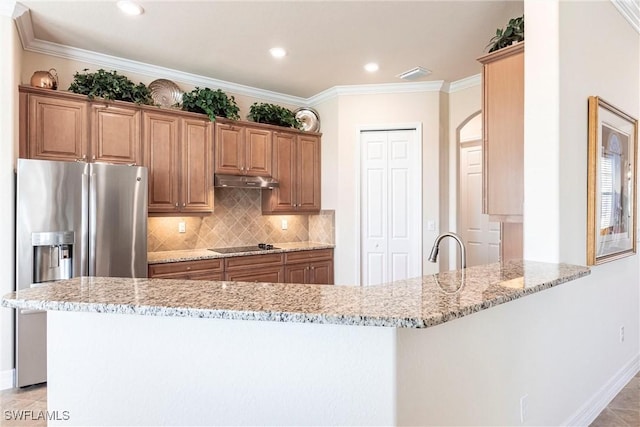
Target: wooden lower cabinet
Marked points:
309	267
313	266
255	268
206	269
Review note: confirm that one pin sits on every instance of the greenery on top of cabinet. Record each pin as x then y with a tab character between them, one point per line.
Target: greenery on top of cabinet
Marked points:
110	85
273	114
514	33
211	102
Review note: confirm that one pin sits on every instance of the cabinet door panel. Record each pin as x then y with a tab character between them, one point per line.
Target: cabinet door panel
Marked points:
115	134
229	148
308	174
503	92
161	157
321	273
197	176
261	274
282	199
58	129
258	152
296	273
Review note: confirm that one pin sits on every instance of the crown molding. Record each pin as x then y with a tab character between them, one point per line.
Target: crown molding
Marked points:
7	7
375	89
466	83
630	9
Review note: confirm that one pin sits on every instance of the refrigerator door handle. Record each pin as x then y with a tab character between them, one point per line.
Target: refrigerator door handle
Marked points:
84	238
92	223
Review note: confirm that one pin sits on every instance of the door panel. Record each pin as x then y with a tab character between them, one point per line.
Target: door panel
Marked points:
115	134
391	205
258	155
482	237
120	203
262	274
296	273
58	129
308	174
229	148
197	176
161	157
283	197
321	273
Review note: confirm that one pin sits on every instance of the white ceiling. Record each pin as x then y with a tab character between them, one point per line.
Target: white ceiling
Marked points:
328	42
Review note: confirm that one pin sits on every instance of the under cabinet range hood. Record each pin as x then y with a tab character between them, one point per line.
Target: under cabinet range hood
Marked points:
243	181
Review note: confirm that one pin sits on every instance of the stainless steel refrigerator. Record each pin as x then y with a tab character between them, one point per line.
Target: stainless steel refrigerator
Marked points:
73	219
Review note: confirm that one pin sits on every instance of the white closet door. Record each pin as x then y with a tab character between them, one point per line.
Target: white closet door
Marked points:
390	206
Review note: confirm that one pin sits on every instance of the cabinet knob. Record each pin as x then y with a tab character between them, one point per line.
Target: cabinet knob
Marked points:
184	204
188	268
313	268
93	157
176	205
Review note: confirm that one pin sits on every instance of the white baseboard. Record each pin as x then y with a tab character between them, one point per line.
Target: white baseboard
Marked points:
592	408
7	379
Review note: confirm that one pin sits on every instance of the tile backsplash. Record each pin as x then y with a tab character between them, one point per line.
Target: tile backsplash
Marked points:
237	220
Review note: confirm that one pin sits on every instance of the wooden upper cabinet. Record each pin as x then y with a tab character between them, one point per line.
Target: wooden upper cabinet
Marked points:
296	167
161	133
258	152
229	148
115	134
503	133
57	128
178	152
243	150
197	165
308	173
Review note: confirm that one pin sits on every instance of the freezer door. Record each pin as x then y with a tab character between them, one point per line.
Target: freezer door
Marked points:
51	216
117	221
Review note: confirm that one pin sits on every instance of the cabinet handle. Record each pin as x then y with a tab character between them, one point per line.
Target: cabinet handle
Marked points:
82	159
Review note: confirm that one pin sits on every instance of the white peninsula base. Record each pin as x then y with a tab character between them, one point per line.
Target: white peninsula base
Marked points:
115	369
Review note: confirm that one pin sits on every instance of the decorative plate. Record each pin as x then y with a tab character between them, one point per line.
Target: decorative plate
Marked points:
309	118
165	93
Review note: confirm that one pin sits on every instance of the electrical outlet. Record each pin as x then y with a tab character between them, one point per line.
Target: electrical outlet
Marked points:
524	408
285	224
621	334
431	225
182	227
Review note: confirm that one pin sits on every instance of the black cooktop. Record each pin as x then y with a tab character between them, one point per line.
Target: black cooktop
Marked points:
257	248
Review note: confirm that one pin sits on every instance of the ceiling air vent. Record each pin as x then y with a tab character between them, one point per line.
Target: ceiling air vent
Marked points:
414	73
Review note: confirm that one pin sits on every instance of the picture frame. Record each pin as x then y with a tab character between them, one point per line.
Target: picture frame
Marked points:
611	183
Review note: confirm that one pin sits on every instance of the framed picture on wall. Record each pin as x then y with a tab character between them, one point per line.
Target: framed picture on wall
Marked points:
611	183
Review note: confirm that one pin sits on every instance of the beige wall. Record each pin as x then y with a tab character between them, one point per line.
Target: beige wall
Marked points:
462	105
9	77
341	164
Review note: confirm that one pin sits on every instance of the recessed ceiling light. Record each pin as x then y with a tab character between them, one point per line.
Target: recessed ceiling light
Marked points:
277	52
371	67
130	8
414	73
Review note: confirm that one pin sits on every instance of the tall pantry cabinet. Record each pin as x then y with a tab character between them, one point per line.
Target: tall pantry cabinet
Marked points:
503	144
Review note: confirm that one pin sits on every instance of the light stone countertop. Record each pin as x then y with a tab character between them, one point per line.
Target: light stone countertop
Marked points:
413	303
197	254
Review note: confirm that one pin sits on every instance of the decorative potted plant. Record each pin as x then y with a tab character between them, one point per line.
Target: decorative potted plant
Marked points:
273	114
110	85
514	33
211	102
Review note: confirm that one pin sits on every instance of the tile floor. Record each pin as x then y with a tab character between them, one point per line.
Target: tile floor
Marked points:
623	411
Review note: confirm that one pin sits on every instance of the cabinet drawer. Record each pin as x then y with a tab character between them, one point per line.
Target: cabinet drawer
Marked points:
242	262
273	274
306	256
196	275
212	265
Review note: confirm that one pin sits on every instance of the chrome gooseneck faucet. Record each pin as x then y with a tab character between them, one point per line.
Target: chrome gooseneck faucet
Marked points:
434	251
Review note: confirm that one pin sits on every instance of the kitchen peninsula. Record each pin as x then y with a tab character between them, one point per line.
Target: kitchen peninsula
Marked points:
175	352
